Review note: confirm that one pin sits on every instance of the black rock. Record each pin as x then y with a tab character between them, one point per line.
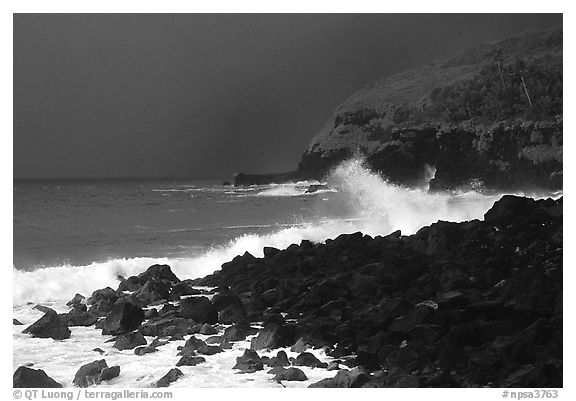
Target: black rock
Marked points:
190	361
49	326
105	294
89	374
208	330
78	299
159	272
170	377
16	322
308	359
78	317
125	317
129	341
145	350
343	379
249	362
109	373
209	349
32	378
199	309
291	374
273	336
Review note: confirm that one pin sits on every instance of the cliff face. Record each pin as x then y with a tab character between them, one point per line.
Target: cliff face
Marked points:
490	116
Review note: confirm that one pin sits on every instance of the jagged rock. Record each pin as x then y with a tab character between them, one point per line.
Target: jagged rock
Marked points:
280	360
343	379
272	336
208	330
104	294
89	374
159	272
170	377
209	349
79	317
125	317
16	322
249	362
190	361
25	377
237	332
145	350
291	374
49	326
129	341
199	309
76	300
308	359
109	373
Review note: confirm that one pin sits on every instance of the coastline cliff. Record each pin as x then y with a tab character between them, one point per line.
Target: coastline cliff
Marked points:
490	116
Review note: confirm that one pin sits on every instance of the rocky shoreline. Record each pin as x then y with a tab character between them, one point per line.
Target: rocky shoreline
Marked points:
471	304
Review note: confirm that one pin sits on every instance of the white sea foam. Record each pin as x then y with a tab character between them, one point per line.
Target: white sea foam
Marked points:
363	202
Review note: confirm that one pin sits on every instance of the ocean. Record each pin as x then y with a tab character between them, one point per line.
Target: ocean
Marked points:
78	236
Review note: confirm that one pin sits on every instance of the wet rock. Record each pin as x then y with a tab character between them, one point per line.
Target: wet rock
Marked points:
99	350
280	360
208	330
199	309
105	294
76	300
344	379
158	273
89	374
209	349
237	332
79	317
291	374
16	322
308	359
123	318
101	308
170	377
213	340
109	373
25	377
190	361
129	341
249	362
49	326
272	336
182	289
145	350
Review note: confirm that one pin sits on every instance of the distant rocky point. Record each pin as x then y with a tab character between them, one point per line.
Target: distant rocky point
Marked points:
491	115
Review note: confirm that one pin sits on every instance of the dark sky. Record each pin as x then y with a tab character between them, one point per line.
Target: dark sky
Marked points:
123	95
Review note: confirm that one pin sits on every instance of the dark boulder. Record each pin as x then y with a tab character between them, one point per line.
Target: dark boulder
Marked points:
237	332
170	377
129	341
208	330
79	317
32	378
109	373
308	359
105	294
101	308
344	379
249	362
76	300
89	374
280	360
291	374
182	289
125	317
190	361
149	349
16	322
209	349
198	308
272	336
159	272
49	326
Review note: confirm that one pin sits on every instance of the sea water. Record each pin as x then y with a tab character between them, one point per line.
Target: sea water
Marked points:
78	236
